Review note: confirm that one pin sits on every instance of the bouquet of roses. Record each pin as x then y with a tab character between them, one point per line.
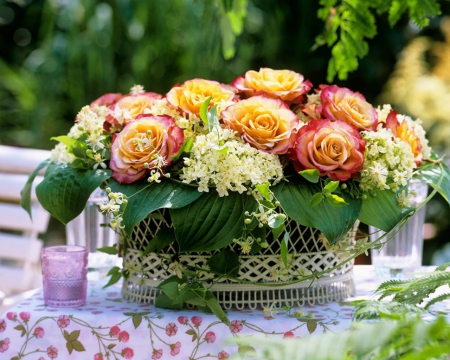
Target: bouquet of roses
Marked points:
230	161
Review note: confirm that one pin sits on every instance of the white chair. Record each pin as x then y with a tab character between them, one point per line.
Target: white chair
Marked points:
20	246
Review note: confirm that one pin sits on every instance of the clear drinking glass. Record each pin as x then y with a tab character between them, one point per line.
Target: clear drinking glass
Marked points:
64	275
402	255
87	230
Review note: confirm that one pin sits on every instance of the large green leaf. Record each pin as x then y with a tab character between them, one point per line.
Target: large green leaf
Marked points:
333	221
25	193
211	222
382	210
431	173
65	191
145	198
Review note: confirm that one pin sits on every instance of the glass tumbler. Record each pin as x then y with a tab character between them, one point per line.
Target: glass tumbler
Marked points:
90	229
402	255
64	275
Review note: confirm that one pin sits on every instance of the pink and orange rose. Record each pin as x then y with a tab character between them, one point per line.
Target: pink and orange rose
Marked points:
129	107
266	124
335	148
348	106
286	85
406	133
141	145
190	96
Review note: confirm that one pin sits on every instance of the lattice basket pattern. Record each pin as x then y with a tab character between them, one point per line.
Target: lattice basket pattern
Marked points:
265	267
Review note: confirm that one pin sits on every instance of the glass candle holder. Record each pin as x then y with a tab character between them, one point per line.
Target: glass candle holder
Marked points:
64	275
401	256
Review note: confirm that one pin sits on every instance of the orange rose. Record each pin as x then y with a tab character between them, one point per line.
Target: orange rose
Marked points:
405	133
346	105
131	106
266	124
335	148
286	85
193	93
145	143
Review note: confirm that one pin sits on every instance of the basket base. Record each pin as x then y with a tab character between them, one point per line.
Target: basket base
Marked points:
240	296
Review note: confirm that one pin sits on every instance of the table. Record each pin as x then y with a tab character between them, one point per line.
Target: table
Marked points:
109	327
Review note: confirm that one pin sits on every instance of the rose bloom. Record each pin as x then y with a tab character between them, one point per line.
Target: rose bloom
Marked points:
98	356
107	99
343	104
266	124
193	93
145	143
335	148
24	315
130	107
286	85
183	320
405	133
11	315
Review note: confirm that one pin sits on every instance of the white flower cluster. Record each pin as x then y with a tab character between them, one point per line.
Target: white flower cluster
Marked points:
414	124
221	159
389	162
190	123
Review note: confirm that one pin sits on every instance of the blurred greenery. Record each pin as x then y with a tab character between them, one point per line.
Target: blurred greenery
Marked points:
58	55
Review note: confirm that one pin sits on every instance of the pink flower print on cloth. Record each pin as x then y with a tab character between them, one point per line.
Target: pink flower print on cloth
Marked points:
11	316
196	320
124	336
98	356
157	354
183	320
235	326
210	337
25	316
175	348
128	353
171	329
223	355
39	332
2	325
52	352
63	321
4	345
114	331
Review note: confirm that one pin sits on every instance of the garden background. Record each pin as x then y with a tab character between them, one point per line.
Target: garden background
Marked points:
58	55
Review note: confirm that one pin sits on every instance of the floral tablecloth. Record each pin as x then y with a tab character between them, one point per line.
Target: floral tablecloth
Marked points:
108	327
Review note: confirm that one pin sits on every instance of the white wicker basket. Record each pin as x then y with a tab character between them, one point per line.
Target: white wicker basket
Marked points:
262	282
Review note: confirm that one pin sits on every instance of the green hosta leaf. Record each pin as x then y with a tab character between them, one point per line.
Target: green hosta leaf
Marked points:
150	197
25	193
382	210
170	287
430	173
163	238
211	222
225	262
312	175
65	191
193	293
334	221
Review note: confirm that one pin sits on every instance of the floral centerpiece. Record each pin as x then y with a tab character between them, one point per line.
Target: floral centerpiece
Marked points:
234	163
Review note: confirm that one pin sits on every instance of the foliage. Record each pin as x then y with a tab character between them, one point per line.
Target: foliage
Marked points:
348	23
405	339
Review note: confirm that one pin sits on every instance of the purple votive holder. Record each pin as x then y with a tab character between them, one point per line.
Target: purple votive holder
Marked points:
64	275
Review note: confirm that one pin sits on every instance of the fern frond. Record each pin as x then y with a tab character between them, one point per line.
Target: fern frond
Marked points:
374	309
420	11
397	9
437	299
